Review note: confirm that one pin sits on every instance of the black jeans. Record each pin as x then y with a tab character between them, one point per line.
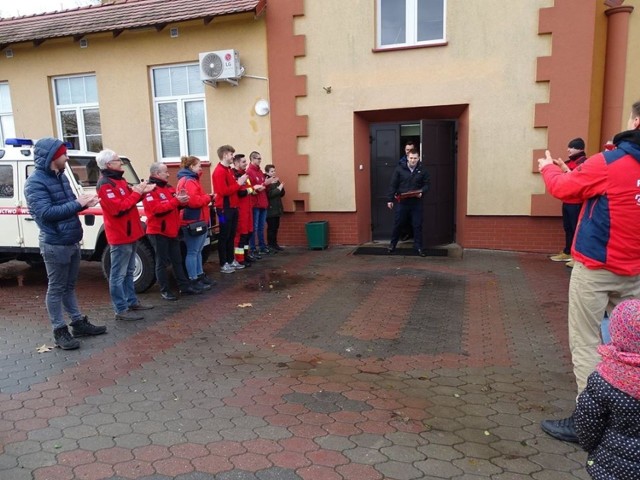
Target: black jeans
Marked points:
570	214
168	253
273	223
228	223
405	211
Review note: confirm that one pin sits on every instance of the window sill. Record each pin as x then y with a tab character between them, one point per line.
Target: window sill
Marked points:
409	47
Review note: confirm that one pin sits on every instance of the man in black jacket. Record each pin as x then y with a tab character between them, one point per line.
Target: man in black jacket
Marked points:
409	183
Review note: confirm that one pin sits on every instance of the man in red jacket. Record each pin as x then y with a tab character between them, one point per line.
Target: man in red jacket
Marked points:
226	186
259	204
123	228
606	246
161	206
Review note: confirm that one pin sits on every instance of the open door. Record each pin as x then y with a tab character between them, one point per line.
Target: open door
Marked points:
438	155
385	148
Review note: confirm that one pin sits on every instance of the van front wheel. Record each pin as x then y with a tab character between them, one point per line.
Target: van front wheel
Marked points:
144	275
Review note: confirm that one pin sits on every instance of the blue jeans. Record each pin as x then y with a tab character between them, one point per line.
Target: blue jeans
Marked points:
193	260
63	264
121	287
259	222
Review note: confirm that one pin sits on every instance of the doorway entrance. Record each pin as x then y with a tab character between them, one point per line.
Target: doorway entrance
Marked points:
437	143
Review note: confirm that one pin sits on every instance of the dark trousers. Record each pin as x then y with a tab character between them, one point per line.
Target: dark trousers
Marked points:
168	253
228	222
405	211
570	214
273	223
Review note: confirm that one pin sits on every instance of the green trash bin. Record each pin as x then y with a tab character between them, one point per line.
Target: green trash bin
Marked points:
318	234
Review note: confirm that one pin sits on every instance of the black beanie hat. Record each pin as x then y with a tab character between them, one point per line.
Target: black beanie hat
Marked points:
576	143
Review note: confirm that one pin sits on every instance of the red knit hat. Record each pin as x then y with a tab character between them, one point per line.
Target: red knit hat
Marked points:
61	151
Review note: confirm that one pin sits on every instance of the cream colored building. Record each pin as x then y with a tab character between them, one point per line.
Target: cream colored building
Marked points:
484	87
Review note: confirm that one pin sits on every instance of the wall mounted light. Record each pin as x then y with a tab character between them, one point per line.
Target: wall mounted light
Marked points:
262	107
84	43
8	53
174	33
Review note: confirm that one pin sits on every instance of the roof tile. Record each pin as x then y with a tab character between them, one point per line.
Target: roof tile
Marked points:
116	16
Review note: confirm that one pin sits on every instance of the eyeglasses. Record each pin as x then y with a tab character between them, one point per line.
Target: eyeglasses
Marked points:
116	160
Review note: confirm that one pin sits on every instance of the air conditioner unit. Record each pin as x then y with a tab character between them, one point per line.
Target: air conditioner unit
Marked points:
221	65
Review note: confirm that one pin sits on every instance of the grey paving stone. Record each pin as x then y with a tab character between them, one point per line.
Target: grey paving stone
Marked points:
18	449
44	434
438	468
133	440
277	473
370	441
236	475
94	444
477	466
516	465
401	453
334	442
398	471
272	433
550	461
366	456
31	461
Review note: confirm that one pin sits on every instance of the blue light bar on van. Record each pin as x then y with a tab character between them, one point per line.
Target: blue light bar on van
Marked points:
19	142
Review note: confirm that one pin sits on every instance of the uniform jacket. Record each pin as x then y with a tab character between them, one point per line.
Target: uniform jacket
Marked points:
608	183
404	180
259	200
608	427
50	199
162	209
275	200
198	207
119	206
245	214
225	186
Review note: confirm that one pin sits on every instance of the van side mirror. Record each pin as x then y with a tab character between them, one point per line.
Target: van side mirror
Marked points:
89	220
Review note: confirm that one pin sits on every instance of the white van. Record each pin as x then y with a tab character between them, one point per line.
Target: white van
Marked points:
19	232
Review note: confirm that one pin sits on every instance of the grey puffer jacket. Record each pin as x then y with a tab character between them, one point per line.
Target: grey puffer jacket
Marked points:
50	199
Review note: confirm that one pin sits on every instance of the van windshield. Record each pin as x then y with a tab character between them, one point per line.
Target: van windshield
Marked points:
86	171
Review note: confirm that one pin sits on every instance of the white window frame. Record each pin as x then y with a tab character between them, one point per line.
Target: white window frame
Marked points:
7	124
77	108
411	27
181	101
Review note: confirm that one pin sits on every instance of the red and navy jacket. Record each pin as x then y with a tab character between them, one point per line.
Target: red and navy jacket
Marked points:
162	209
225	186
260	199
197	209
608	183
119	206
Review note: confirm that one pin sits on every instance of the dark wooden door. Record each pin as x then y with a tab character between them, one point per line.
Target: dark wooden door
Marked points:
385	145
438	156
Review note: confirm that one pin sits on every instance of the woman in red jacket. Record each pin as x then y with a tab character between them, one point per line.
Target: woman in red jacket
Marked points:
196	211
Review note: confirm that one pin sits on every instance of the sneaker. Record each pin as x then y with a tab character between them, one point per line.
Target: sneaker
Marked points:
206	280
168	296
82	328
256	255
570	263
128	316
200	285
422	253
227	268
391	249
190	290
564	429
237	265
561	257
64	340
140	306
264	251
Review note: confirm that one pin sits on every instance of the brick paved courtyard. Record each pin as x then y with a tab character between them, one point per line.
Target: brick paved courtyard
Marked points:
342	367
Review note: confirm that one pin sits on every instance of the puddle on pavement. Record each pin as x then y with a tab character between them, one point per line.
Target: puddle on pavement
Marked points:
274	281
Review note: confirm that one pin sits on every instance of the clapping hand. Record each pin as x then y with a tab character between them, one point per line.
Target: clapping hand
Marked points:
88	200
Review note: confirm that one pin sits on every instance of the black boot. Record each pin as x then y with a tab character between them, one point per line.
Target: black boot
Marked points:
64	340
564	429
206	280
82	328
191	288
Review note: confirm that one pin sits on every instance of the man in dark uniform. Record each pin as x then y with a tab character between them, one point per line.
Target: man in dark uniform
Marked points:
409	183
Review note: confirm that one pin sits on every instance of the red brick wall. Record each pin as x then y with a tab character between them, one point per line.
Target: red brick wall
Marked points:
526	234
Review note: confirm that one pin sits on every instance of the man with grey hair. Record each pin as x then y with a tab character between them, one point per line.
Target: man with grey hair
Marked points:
162	208
123	228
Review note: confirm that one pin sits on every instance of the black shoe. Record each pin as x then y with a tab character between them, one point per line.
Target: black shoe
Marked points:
564	429
64	340
278	248
168	296
140	306
190	290
256	255
200	285
391	249
82	328
250	257
128	316
422	253
206	280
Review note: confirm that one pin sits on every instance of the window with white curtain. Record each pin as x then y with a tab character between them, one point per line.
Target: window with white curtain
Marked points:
78	112
179	109
7	127
403	23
